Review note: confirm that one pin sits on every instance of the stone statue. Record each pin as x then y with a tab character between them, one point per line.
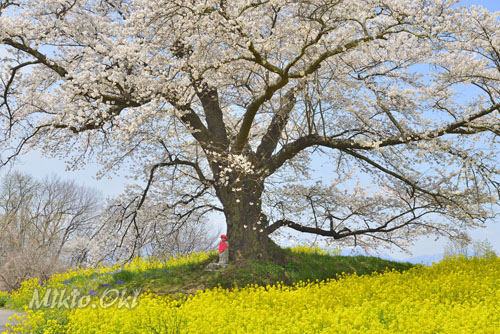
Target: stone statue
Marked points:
223	250
223	256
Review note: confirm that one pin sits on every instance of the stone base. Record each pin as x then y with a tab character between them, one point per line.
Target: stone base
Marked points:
216	266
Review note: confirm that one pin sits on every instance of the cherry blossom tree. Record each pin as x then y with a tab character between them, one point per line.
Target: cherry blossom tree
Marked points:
230	106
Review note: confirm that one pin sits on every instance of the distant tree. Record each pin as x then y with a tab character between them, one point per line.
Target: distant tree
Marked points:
226	106
38	222
466	246
483	248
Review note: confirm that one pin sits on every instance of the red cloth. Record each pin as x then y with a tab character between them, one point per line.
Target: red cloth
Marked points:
222	246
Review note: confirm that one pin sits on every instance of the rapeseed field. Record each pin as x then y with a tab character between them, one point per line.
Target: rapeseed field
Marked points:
456	295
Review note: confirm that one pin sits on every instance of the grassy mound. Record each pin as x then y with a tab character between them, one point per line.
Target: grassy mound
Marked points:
304	264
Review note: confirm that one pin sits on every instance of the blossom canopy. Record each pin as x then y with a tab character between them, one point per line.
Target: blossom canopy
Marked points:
231	107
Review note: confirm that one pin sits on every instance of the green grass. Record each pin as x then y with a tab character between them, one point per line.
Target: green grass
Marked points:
3	300
187	279
180	279
303	267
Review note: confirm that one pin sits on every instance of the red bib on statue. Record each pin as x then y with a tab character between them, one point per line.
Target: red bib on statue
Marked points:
222	246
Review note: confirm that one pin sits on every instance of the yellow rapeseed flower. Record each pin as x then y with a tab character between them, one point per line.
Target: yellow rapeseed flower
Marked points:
457	295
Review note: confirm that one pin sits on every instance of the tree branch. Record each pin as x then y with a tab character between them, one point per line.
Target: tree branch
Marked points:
198	130
346	232
289	150
251	111
173	162
253	107
271	138
393	174
209	99
38	55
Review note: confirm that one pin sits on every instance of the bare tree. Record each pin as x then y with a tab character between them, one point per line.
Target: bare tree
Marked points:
38	221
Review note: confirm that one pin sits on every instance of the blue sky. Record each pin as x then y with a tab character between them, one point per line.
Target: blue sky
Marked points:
492	5
38	166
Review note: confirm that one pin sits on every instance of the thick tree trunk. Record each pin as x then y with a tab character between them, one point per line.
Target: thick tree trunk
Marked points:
246	228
